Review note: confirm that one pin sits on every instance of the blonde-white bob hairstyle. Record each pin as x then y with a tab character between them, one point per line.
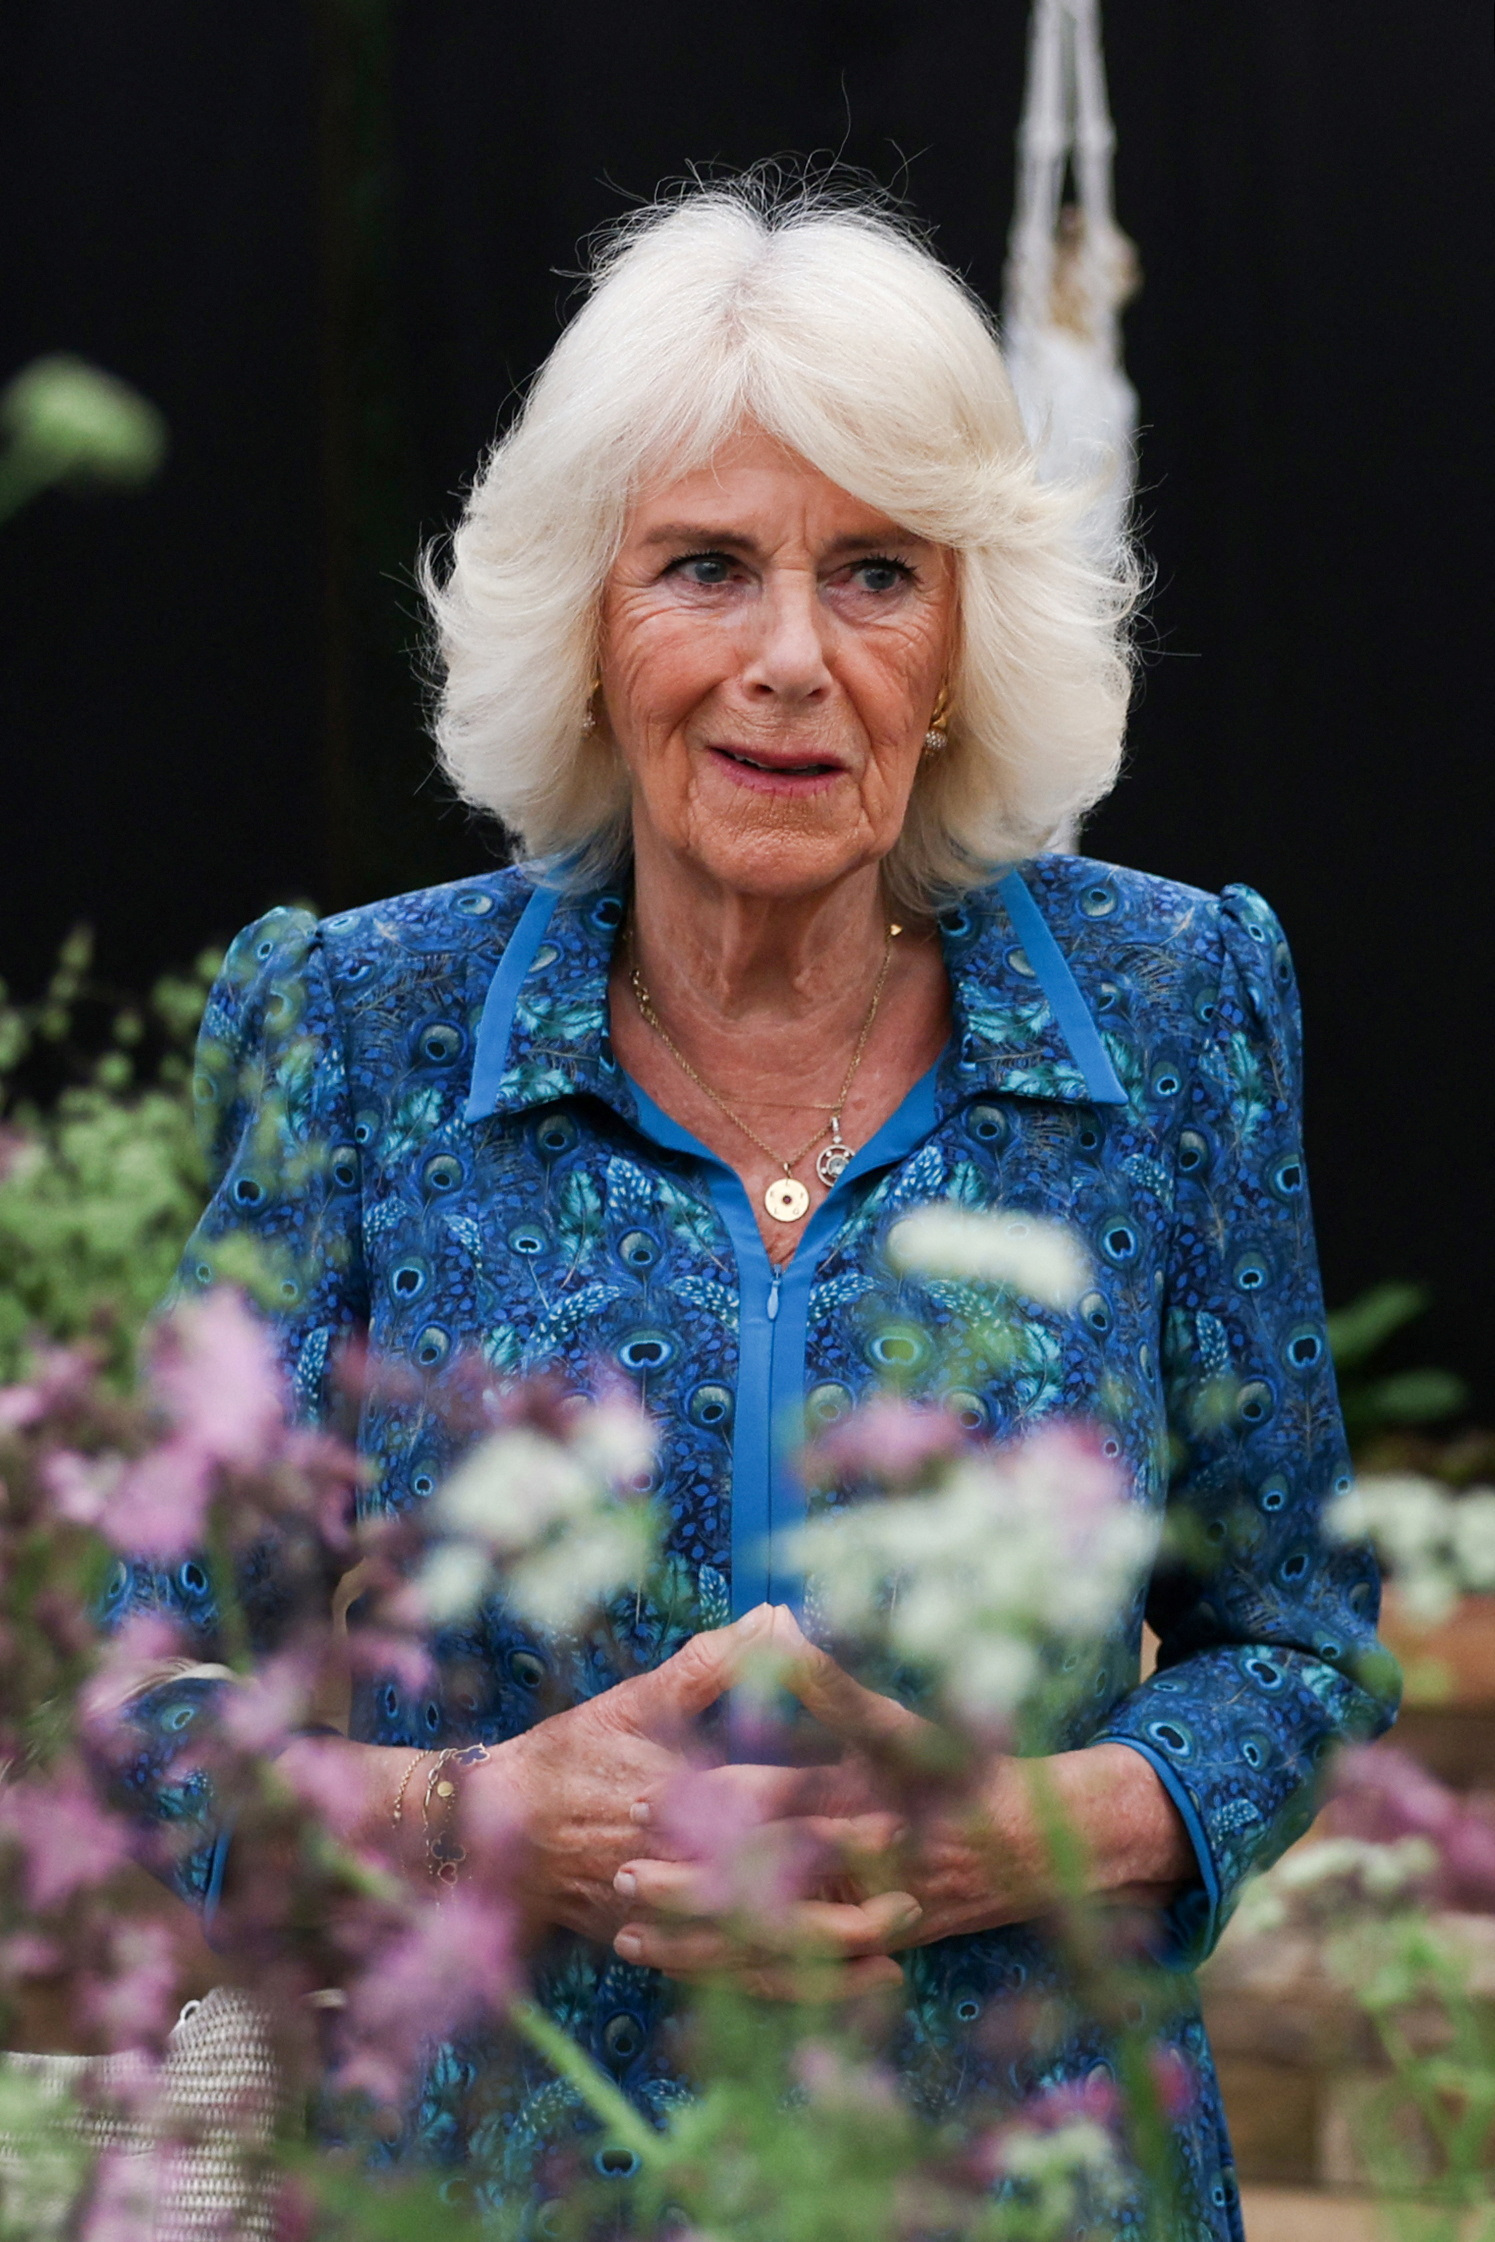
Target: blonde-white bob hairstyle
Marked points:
826	323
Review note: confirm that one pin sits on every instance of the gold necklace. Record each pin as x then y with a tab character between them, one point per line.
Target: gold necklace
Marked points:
786	1198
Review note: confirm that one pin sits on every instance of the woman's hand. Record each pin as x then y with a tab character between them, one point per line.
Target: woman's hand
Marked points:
576	1786
981	1860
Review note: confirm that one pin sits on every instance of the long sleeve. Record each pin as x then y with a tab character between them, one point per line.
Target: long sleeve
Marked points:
1266	1625
283	1219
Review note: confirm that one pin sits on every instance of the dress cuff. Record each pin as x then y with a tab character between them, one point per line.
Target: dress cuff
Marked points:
1191	1920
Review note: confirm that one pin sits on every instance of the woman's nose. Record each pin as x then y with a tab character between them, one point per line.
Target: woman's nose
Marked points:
787	655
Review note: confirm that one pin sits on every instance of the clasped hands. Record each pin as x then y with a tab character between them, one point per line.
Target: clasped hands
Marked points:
676	1866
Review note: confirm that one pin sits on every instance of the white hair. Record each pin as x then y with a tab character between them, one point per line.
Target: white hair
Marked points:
829	325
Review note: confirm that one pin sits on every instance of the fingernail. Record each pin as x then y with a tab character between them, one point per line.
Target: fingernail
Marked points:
625	1883
639	1810
629	1945
911	1914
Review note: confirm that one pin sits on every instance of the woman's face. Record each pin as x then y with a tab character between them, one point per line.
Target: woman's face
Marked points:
771	651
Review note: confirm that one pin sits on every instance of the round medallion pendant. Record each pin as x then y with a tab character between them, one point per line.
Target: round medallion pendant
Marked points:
786	1199
832	1161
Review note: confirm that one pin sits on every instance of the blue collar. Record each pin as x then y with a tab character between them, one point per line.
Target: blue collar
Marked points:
1021	1026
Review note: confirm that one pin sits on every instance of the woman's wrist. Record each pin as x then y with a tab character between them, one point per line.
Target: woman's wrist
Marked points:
1114	1803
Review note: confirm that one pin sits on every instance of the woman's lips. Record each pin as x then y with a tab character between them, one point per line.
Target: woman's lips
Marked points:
764	774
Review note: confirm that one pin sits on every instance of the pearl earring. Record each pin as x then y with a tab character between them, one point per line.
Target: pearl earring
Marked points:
589	716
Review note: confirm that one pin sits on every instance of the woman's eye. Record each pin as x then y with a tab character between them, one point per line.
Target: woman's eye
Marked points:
880	574
704	568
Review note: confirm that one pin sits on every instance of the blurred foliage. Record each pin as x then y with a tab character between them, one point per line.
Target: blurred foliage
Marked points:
1375	1400
64	421
101	1175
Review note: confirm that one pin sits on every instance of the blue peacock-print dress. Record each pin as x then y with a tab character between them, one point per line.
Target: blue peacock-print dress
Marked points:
419	1099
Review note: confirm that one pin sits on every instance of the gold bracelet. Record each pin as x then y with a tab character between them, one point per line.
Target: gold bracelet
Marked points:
444	1855
398	1813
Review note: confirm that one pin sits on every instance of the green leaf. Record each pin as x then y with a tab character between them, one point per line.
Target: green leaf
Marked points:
1357	1331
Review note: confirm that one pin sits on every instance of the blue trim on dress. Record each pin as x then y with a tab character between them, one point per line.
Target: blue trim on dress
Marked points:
1059	985
1189	1921
773	1315
217	1870
502	1002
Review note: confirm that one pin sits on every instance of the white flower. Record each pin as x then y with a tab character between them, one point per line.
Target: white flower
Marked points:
1474	1538
1435	1544
453	1580
512	1488
557	1584
1009	1553
544	1520
614	1440
1059	2161
1019	1251
1380	1870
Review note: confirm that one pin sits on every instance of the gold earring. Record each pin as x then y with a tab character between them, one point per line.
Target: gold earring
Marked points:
937	737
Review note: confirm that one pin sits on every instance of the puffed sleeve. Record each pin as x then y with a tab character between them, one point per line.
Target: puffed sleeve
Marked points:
1266	1624
272	1099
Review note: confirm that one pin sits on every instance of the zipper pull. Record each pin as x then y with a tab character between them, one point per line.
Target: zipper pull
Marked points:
773	1294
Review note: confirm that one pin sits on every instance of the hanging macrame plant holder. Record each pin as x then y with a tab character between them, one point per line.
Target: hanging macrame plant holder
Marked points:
1069	272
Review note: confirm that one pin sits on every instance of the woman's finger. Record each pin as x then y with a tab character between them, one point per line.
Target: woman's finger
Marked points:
847	1927
835	1930
700	1672
865	1844
691	1950
665	1888
849	1710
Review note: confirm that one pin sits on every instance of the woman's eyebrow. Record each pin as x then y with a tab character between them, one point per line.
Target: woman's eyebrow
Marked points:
733	540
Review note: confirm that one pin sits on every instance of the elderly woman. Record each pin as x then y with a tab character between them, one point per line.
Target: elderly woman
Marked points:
764	641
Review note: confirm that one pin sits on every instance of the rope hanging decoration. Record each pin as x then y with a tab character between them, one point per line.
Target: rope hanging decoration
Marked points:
1070	270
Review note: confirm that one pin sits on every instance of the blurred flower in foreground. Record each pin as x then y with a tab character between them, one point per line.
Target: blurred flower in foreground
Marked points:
554	1517
1436	1545
68	422
1010	1553
453	1968
1020	1252
749	1864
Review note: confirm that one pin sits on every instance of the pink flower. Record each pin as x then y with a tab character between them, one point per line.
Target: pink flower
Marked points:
136	2002
158	1507
326	1776
1173	2075
259	1713
833	2080
896	1442
58	1383
452	1968
127	2185
214	1368
1381	1794
373	1651
25	1954
1092	2100
143	1651
748	1863
66	1838
80	1486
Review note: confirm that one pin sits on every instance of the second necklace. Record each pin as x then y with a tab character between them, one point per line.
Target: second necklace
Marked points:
786	1198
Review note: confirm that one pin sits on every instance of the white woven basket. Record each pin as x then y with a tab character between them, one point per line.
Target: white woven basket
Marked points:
193	2168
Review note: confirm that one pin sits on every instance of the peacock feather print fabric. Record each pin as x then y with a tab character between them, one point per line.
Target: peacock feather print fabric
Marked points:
444	1155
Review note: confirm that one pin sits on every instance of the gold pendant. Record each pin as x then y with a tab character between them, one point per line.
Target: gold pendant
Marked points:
786	1199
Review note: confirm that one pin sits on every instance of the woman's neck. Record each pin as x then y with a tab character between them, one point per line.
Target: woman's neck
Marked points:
732	959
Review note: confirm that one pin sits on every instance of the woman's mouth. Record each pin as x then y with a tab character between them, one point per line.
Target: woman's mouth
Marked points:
776	774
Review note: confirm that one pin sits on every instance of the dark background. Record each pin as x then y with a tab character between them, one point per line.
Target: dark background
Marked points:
330	241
